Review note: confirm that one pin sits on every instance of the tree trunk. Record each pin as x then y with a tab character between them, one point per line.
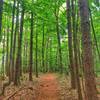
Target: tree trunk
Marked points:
76	64
50	54
11	44
58	36
3	57
7	52
46	64
43	65
36	53
59	44
18	59
31	49
1	12
90	84
94	34
14	40
72	69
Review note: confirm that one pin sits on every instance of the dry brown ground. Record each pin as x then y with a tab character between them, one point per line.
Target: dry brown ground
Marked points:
69	94
46	87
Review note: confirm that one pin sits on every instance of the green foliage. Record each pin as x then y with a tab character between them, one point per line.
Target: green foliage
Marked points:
44	12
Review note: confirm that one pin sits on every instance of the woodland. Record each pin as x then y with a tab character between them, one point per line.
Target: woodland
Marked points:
49	49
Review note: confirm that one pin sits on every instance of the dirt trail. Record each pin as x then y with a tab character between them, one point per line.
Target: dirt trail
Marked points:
48	88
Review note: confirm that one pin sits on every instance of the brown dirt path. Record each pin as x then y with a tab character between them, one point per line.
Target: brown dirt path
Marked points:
48	88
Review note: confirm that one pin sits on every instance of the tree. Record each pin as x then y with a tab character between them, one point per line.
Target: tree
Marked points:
31	49
72	69
14	39
58	36
3	55
11	44
76	64
36	51
18	59
43	65
90	84
7	51
1	11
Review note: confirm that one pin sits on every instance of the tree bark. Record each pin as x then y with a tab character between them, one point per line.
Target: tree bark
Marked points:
58	36
11	44
72	69
90	84
59	44
76	64
1	12
7	52
14	39
31	49
36	53
18	59
43	65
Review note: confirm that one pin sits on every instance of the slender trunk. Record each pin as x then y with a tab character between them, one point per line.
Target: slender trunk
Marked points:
72	69
43	67
46	69
3	57
58	36
37	53
11	44
26	55
18	59
90	84
25	68
59	44
94	34
7	52
1	12
50	55
14	40
76	65
31	49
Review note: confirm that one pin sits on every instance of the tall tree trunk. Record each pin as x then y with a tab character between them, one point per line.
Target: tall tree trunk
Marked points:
43	65
36	53
46	64
3	57
14	40
72	69
76	64
18	59
59	44
31	49
11	44
58	36
94	34
26	55
1	12
50	54
7	52
90	84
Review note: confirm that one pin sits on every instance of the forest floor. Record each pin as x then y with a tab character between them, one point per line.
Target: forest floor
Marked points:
46	87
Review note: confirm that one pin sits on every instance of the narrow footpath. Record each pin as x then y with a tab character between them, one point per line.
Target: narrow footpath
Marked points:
48	88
